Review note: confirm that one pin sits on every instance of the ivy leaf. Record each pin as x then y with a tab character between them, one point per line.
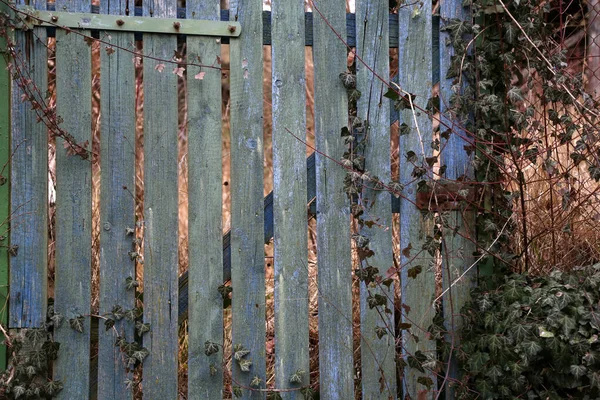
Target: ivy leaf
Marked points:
213	369
141	327
578	370
531	347
109	323
57	319
131	283
274	396
140	354
425	381
376	300
414	363
53	387
117	312
380	331
544	333
210	348
77	323
431	245
478	361
245	365
256	381
414	271
297	377
237	391
239	352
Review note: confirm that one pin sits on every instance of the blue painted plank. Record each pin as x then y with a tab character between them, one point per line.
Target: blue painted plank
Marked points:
73	209
377	354
161	222
117	205
247	220
415	61
457	249
333	207
205	321
29	187
289	197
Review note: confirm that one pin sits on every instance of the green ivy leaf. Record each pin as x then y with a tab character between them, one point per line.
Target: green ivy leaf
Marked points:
578	371
77	323
414	271
256	381
239	352
380	331
245	364
210	348
297	377
237	391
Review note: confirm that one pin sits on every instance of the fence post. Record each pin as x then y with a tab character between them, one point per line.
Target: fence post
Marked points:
4	183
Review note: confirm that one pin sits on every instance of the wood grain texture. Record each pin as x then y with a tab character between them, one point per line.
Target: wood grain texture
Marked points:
73	209
160	210
5	184
457	249
29	187
247	221
415	61
333	207
117	204
289	196
377	355
205	321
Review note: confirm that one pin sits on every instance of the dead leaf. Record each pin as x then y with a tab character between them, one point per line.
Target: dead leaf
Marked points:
179	71
199	75
159	67
109	50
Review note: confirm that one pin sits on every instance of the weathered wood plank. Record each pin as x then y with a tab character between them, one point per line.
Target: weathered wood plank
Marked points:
29	191
160	209
5	183
73	208
205	321
333	207
247	249
415	60
377	355
457	249
117	205
289	197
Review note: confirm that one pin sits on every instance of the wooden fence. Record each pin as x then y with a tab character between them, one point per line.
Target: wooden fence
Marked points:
239	255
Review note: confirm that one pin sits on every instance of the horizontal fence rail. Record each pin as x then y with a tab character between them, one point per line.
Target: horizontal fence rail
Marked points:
147	319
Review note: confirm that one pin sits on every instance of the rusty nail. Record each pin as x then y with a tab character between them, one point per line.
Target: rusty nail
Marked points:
54	18
231	28
176	25
120	22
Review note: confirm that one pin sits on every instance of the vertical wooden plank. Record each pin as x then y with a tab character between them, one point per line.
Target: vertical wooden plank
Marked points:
336	368
73	207
205	317
117	205
457	249
377	354
29	180
247	214
160	208
415	61
5	182
289	196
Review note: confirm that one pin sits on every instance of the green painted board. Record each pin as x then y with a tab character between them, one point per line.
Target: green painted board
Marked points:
29	187
161	202
289	196
415	60
457	250
117	205
120	22
5	182
377	354
205	304
73	211
336	368
247	221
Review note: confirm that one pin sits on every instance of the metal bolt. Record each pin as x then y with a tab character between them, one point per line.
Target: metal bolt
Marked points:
107	226
120	22
176	25
232	28
54	18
